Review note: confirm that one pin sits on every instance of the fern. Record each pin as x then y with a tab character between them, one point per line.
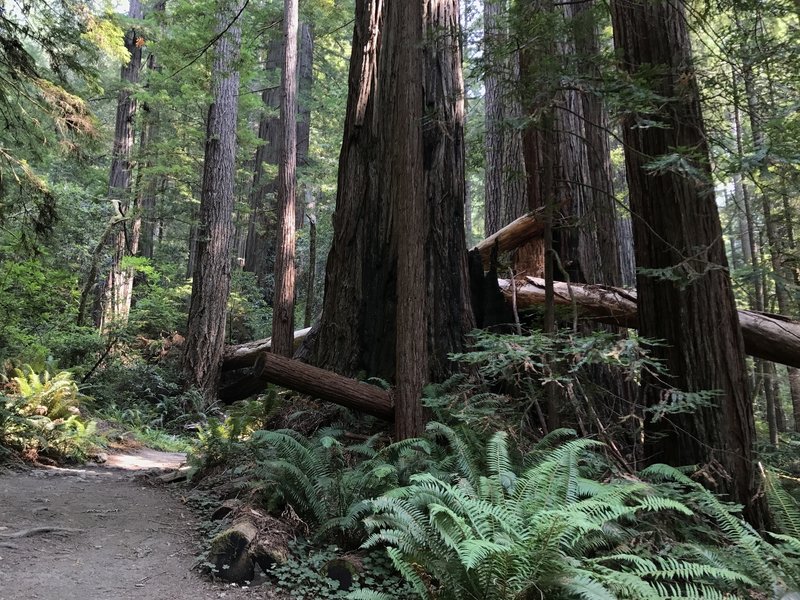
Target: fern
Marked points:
326	482
548	531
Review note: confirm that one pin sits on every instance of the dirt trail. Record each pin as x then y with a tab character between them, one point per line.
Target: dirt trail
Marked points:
120	537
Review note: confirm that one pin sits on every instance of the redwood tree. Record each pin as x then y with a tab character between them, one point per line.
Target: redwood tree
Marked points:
283	307
205	337
358	327
119	284
677	233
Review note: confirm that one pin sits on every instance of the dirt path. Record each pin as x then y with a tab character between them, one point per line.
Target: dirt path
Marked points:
121	538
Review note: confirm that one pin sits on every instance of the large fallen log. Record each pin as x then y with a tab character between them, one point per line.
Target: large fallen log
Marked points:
324	385
768	336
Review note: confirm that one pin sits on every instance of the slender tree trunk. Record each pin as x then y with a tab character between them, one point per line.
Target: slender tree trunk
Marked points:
311	274
261	233
283	307
205	337
677	227
260	247
776	250
147	193
125	241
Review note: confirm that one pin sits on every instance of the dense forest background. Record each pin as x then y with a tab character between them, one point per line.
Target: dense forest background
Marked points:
553	243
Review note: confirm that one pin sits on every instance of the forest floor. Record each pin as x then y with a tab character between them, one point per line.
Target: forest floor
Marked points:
101	533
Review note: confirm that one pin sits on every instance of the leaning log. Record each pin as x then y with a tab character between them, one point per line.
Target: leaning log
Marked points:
242	356
528	227
325	385
772	337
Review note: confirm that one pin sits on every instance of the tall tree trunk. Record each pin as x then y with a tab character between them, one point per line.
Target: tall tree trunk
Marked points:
595	126
780	274
357	330
261	233
283	307
260	246
311	273
505	196
677	227
125	241
402	58
205	337
147	193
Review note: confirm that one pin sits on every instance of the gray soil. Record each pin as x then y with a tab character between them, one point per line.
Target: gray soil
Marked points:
101	533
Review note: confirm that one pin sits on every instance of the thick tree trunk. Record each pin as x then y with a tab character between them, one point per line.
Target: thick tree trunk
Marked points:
505	196
119	284
357	330
677	228
205	337
602	207
402	48
283	307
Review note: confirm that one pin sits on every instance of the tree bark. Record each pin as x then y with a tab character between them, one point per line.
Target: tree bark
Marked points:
261	232
260	246
358	324
148	190
328	386
311	273
602	205
505	196
403	52
283	307
676	228
205	337
119	285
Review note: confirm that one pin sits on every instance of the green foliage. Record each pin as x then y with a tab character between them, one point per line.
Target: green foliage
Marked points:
718	536
303	575
42	417
326	482
37	314
250	316
555	530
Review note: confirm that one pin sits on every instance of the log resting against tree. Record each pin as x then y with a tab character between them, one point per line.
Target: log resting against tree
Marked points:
768	336
243	356
517	233
325	385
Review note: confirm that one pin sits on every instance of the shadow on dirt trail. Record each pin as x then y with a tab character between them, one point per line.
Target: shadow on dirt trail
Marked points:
100	533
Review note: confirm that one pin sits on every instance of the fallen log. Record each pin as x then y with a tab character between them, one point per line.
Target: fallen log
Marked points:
242	356
772	337
229	552
528	227
325	385
253	539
